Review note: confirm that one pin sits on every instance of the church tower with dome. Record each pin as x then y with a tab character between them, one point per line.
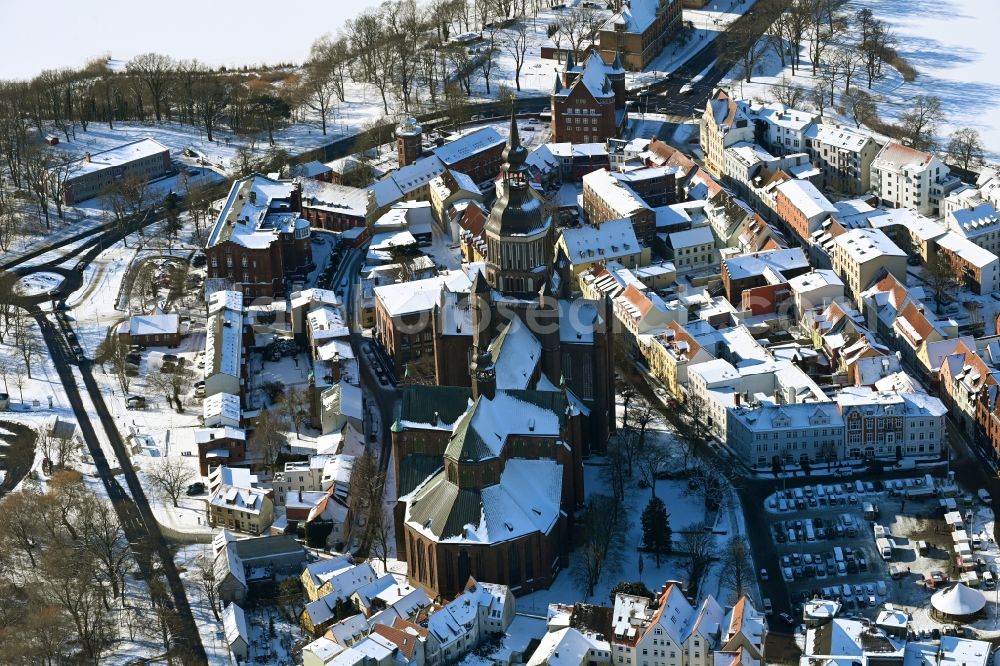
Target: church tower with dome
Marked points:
519	231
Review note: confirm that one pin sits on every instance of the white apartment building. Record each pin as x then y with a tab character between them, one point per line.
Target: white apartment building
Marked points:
844	157
319	473
692	249
907	178
808	432
786	127
815	288
979	223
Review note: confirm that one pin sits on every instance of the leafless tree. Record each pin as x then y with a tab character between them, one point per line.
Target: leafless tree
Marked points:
579	25
861	106
698	545
652	461
627	395
319	83
919	123
170	477
294	408
965	148
212	94
365	496
708	482
516	41
785	92
486	59
380	538
268	439
104	538
376	57
155	72
205	569
737	566
599	550
20	378
942	278
405	29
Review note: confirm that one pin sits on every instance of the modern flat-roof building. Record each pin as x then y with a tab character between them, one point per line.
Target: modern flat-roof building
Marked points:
904	177
144	159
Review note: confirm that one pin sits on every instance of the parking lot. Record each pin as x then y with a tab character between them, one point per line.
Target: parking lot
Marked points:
826	547
830	539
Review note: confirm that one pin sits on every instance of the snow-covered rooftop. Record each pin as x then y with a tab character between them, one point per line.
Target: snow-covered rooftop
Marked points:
616	195
864	245
257	210
807	199
608	240
117	156
335	198
420	295
966	249
469	144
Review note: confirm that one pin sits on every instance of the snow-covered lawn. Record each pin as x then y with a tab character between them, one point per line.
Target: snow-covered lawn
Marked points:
685	510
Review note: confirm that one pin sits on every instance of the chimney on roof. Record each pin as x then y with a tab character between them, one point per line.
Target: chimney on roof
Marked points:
86	156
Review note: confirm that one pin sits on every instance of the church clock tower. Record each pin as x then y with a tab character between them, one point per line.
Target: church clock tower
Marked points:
518	231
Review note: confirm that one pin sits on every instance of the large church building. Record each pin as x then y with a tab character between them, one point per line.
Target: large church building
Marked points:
490	472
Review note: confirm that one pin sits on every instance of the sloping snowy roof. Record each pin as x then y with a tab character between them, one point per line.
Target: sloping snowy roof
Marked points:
637	15
748	265
807	199
618	196
966	249
335	198
691	237
864	245
222	405
468	145
895	156
608	240
420	295
567	647
224	343
959	599
526	500
155	323
117	156
843	138
234	621
516	353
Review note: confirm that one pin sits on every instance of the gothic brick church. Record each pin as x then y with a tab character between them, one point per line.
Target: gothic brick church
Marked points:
489	464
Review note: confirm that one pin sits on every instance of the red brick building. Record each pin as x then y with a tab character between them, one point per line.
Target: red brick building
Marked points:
639	31
333	207
260	237
588	101
478	154
220	446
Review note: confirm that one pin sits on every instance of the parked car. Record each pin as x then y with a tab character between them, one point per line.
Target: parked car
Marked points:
763	574
196	488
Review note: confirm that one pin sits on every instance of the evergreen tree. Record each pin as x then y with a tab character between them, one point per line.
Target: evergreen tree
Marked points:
656	533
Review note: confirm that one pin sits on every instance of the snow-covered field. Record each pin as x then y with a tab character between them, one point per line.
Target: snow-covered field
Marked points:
950	43
953	45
